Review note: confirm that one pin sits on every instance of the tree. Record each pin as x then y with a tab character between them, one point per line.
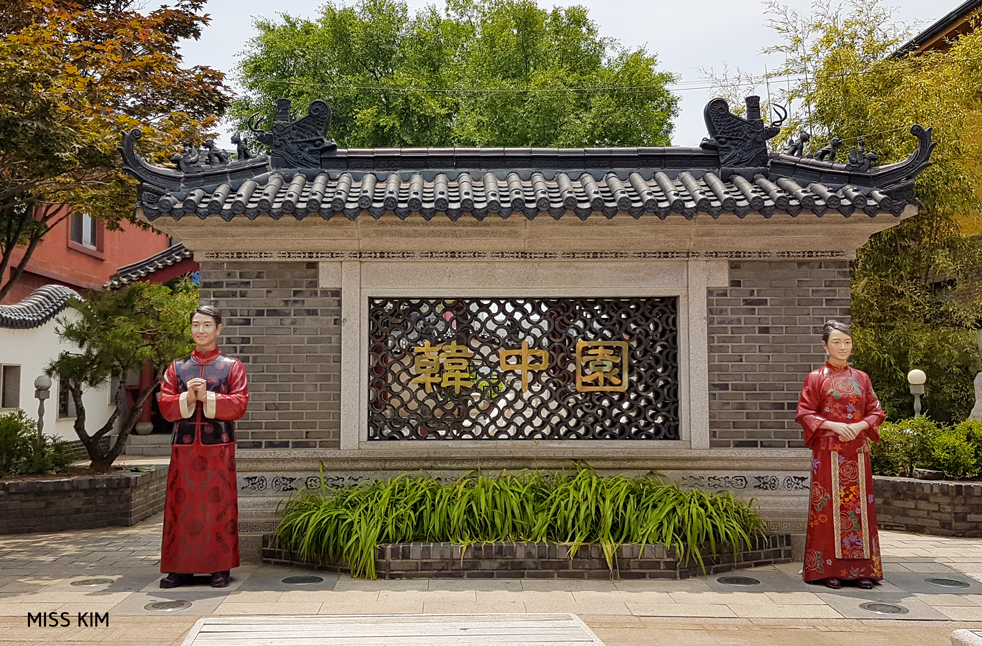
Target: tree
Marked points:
913	302
479	73
115	332
75	74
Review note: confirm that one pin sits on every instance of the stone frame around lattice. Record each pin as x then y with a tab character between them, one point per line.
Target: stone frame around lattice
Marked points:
687	280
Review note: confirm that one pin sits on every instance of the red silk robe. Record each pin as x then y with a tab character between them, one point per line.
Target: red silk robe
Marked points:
842	540
201	516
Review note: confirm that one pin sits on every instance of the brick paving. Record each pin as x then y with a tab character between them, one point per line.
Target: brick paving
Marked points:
36	572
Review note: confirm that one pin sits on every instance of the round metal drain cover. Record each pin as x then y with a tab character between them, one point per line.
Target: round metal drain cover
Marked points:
884	608
738	580
302	580
93	582
167	606
948	583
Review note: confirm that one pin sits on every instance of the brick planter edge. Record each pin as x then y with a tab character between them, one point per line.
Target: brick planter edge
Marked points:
81	502
540	560
938	507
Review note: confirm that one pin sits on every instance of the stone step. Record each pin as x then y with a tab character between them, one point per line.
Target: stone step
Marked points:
966	638
395	630
153	444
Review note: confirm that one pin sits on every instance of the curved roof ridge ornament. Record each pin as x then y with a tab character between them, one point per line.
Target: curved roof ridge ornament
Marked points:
740	142
298	143
185	176
896	180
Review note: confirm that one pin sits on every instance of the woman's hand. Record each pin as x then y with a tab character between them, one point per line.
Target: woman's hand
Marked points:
846	432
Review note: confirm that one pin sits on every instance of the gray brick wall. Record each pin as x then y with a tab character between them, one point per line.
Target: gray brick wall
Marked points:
82	502
287	333
764	338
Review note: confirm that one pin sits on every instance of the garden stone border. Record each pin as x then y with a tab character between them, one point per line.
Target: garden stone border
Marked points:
937	507
60	503
541	560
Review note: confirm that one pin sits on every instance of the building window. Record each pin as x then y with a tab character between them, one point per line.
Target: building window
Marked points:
66	405
10	387
86	231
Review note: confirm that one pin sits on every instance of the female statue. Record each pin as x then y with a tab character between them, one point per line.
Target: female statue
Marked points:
840	415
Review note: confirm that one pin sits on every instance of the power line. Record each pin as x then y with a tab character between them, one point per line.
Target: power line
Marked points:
680	86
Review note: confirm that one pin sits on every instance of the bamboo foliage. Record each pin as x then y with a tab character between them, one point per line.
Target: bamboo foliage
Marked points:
570	508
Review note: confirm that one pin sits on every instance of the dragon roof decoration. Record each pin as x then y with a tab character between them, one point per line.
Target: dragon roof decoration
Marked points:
732	171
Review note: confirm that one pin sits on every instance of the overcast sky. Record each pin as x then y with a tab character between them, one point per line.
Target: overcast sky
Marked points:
687	35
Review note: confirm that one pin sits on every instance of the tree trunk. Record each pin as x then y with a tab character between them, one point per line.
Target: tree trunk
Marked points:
36	236
130	422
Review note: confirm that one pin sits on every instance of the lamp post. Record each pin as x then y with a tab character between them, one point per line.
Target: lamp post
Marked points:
916	379
42	390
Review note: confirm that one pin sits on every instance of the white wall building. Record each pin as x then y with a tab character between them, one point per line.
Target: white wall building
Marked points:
28	343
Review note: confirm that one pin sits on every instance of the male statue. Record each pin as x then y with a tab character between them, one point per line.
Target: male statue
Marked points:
203	395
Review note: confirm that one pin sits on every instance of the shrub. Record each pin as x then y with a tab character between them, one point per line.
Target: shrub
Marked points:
904	445
577	509
972	430
20	452
952	453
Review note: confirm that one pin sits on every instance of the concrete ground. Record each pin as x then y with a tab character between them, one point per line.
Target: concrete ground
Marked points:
37	572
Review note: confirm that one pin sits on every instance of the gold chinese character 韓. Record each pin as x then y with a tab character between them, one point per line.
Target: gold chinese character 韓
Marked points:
601	366
456	366
524	364
427	365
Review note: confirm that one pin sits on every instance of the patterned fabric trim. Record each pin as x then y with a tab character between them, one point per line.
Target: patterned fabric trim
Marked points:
836	504
863	504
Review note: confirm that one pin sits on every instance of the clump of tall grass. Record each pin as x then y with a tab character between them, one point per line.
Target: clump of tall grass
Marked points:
573	509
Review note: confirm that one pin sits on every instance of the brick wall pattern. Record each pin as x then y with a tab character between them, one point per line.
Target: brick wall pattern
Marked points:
929	507
117	500
764	338
287	333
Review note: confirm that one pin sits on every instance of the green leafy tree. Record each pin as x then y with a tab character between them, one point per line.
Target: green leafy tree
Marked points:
116	332
913	298
75	74
478	73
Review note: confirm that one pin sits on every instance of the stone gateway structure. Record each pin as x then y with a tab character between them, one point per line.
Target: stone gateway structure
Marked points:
441	309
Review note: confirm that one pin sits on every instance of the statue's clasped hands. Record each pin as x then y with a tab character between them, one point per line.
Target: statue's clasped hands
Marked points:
846	432
197	389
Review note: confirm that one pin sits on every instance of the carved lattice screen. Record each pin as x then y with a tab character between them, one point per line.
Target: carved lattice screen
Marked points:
574	368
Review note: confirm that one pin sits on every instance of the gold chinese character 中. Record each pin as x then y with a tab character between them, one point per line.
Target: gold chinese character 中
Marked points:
524	364
456	366
601	366
427	365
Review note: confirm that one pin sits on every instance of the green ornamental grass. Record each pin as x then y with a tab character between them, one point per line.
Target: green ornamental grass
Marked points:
568	508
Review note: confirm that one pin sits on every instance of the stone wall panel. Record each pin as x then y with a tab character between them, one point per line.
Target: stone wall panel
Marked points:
764	338
287	333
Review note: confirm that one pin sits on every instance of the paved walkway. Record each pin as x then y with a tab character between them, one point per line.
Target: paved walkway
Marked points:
37	573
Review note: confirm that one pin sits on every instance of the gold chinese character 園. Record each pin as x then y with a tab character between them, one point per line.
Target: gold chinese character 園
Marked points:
601	366
523	364
427	365
456	366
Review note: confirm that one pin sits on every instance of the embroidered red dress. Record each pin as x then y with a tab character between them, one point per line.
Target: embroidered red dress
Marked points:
842	541
201	516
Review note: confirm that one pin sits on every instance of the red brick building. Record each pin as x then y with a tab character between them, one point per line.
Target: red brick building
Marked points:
80	253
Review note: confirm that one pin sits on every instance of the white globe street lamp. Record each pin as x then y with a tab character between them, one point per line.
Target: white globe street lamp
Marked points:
916	379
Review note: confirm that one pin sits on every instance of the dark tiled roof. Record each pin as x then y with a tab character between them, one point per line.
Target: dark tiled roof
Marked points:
41	306
944	24
139	270
531	193
731	172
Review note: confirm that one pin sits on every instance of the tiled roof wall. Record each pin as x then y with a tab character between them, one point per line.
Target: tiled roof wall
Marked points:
530	193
